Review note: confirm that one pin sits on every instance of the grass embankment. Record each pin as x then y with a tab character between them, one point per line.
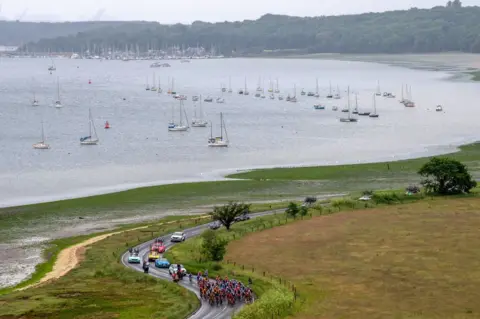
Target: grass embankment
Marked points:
405	170
101	287
418	260
475	75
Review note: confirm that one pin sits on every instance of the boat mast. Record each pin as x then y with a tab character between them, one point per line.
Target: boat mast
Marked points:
348	103
181	102
330	87
356	102
317	85
221	126
374	104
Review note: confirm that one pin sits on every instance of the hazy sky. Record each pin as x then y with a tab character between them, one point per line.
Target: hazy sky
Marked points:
186	11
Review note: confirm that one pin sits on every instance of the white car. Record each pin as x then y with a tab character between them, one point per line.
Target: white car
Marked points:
174	268
178	237
365	197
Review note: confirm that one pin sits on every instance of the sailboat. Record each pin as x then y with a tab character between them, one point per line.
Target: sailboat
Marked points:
374	114
58	104
147	87
180	127
223	88
409	102
35	101
230	85
52	67
337	95
218	141
198	121
356	108
270	86
259	88
277	89
92	138
378	93
349	118
294	97
330	95
245	92
42	145
159	90
153	87
316	90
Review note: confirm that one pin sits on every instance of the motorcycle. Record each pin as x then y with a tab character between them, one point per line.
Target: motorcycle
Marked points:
146	266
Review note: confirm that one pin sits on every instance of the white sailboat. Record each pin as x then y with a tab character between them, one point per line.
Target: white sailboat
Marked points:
293	99
316	91
378	93
409	101
219	141
159	90
337	95
356	108
92	138
52	67
270	86
259	88
153	87
198	121
180	126
348	119
34	101
374	114
147	87
230	85
277	89
42	145
330	95
439	108
58	103
245	92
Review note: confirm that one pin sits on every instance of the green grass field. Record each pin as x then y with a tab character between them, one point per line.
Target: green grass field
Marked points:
398	170
101	287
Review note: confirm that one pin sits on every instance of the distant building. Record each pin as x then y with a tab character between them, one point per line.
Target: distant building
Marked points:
5	48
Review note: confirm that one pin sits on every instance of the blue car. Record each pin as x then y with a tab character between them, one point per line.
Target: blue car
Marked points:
162	263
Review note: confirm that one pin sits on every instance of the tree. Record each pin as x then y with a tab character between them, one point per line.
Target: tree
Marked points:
303	211
446	176
226	214
213	247
292	210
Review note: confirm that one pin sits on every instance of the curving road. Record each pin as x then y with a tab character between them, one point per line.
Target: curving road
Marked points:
205	311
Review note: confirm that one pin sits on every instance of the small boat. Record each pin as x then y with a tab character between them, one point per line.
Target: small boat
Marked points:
35	101
439	108
230	85
218	141
195	98
159	90
198	121
293	99
245	91
272	97
280	97
42	145
180	126
257	94
408	102
355	110
240	92
319	107
277	89
107	125
52	67
184	61
270	87
334	108
220	100
58	103
345	110
303	92
208	99
259	88
374	114
390	95
92	138
147	87
153	87
310	94
348	119
288	98
330	95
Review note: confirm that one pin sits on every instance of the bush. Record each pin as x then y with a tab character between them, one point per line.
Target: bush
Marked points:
386	198
213	247
344	203
276	303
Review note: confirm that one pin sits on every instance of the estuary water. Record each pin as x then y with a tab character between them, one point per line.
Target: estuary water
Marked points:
138	150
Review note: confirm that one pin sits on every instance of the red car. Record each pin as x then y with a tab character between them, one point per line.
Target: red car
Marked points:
159	246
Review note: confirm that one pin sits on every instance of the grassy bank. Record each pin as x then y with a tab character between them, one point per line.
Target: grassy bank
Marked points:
475	75
393	171
101	287
417	260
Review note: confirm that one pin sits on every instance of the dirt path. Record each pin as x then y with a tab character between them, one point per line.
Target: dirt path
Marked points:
70	257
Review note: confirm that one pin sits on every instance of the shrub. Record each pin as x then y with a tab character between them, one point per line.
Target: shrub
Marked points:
213	247
276	303
386	198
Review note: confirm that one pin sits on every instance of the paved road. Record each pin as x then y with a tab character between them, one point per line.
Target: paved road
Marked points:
205	311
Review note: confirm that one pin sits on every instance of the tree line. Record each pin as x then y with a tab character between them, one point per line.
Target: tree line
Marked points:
439	29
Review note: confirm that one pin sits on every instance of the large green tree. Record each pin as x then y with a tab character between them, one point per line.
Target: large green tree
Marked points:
226	214
213	246
446	176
